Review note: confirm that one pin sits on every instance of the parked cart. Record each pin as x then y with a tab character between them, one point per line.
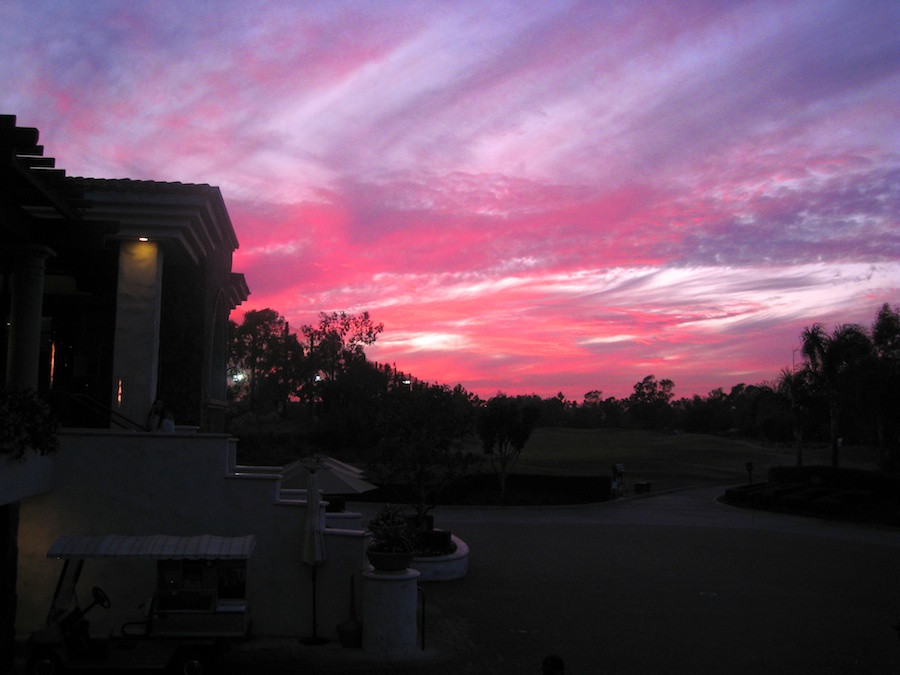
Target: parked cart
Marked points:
199	606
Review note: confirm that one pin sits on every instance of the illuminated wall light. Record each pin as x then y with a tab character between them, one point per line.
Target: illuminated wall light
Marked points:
52	363
143	238
119	390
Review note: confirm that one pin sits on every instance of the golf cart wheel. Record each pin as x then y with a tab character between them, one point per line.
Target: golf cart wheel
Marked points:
44	662
193	662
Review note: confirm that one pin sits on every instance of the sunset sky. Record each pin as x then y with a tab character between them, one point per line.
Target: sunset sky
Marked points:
533	197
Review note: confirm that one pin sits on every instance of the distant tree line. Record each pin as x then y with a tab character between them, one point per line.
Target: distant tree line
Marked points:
846	386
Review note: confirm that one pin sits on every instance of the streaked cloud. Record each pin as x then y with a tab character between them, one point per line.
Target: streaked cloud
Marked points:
532	196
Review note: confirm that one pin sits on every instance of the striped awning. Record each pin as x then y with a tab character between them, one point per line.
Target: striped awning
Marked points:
155	546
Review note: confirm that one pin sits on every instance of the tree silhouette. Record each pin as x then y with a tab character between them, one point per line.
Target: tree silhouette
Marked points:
649	405
833	362
505	425
423	430
795	386
342	389
884	378
339	340
267	361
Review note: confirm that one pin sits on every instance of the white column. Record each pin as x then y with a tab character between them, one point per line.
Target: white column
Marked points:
136	346
27	303
389	612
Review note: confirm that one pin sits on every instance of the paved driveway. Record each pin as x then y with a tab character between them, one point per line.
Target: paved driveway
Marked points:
670	583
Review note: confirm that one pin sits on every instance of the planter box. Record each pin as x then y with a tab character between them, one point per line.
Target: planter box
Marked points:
27	477
445	567
389	561
433	542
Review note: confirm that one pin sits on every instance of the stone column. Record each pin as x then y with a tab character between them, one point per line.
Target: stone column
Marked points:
389	612
136	346
27	302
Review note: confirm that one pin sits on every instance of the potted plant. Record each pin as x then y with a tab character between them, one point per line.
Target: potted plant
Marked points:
392	546
25	424
27	438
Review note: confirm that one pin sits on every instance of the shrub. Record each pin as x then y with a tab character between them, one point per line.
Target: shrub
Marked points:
25	423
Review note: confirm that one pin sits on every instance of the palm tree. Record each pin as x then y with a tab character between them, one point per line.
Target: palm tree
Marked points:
794	385
885	377
834	363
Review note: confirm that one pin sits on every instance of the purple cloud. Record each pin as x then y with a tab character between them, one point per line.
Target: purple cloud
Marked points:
533	196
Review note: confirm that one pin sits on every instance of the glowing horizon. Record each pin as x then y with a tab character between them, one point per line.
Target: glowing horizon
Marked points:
533	197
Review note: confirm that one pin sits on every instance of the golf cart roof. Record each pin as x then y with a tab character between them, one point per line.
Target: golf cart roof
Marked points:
155	546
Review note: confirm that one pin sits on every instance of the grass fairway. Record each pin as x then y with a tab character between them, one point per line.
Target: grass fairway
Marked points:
665	460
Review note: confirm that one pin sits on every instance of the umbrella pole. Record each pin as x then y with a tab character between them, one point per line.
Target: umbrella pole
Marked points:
314	639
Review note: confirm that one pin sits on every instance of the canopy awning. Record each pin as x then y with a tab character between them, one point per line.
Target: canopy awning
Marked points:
155	546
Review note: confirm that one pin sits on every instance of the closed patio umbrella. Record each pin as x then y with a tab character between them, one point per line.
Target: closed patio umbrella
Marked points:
313	547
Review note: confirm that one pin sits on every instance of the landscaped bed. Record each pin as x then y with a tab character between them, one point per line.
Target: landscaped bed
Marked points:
834	493
521	490
574	466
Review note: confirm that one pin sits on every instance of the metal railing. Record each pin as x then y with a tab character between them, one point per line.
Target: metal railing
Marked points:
80	407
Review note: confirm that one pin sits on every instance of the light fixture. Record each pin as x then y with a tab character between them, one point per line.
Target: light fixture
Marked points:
143	238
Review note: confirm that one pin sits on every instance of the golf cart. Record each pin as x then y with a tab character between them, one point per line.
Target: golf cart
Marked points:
197	608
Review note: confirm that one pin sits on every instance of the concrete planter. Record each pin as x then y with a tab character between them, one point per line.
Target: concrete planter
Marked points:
389	561
27	477
444	567
389	613
433	542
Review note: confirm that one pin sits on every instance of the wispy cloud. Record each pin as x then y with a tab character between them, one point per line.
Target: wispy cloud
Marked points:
533	196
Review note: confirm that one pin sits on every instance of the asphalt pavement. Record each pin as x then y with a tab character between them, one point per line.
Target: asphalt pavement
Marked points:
664	583
661	583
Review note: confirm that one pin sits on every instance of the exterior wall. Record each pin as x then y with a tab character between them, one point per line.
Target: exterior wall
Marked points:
193	342
182	348
107	482
27	291
29	476
214	413
136	344
215	336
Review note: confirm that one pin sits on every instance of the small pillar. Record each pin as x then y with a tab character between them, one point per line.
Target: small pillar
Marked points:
389	612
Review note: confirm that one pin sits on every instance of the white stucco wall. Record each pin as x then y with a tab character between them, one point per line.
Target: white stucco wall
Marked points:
138	312
107	482
26	477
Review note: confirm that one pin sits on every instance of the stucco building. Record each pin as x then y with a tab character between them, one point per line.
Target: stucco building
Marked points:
117	293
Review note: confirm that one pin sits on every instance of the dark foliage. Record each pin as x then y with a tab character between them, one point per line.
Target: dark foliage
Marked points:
421	447
505	424
25	424
391	530
845	390
521	490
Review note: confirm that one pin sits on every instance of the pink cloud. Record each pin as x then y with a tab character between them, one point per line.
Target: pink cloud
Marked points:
532	198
